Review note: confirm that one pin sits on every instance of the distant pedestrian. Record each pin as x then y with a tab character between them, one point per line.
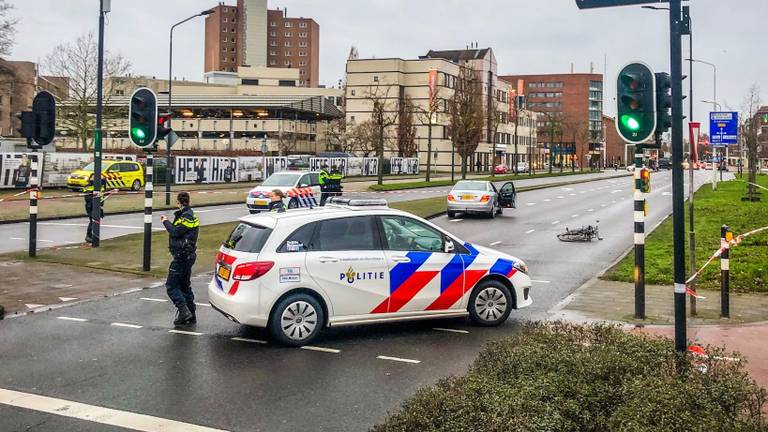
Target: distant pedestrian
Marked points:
478	165
182	243
277	204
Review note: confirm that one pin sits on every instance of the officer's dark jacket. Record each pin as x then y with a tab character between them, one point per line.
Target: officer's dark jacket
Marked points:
277	206
182	233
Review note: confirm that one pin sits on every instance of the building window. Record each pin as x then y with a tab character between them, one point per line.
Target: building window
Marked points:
226	10
287	63
302	54
352	92
288	43
287	83
272	24
302	35
302	72
303	44
273	43
302	63
250	81
224	49
273	34
302	25
273	62
234	19
288	24
225	19
233	29
288	54
375	78
224	30
272	52
225	40
288	34
233	50
233	40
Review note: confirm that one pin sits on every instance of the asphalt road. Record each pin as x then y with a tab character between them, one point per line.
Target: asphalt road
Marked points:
118	352
14	237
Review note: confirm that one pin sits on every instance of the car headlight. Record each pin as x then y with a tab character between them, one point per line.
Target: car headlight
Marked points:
520	266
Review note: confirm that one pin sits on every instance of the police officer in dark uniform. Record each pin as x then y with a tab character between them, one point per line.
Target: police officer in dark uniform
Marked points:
182	242
277	204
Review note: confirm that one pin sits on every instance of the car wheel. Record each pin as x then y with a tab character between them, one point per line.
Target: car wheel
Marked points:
500	210
492	213
136	185
293	203
490	304
296	320
452	214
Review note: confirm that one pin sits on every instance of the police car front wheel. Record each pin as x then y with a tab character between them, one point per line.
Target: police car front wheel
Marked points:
296	320
490	303
136	185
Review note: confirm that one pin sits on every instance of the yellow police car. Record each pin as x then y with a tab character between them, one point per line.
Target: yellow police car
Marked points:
116	174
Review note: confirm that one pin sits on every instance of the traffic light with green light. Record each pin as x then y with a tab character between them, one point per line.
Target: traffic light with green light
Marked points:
142	118
663	102
636	99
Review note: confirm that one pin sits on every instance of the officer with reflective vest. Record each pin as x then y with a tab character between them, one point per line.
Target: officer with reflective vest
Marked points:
88	196
182	243
277	204
330	184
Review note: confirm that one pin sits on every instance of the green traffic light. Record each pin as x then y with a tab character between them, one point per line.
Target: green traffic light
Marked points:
138	133
630	122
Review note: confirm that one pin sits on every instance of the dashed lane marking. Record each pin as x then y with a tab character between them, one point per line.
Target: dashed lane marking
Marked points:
154	299
17	238
96	414
133	326
547	200
560	197
495	243
555	222
540	281
33	305
184	332
256	341
530	204
574	215
203	304
603	205
66	318
456	220
398	359
67	299
530	231
320	349
449	330
590	210
615	191
572	194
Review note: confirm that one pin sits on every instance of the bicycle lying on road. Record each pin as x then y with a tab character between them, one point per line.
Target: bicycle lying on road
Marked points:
583	234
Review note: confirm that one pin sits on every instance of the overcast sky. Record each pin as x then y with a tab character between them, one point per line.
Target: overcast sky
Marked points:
528	36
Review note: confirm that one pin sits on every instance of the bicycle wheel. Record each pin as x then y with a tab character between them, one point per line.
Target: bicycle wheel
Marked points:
571	236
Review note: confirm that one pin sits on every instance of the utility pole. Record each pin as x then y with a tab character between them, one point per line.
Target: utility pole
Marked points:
678	218
104	8
691	158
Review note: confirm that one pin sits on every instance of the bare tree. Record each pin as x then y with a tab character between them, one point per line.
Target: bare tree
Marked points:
427	117
496	120
7	29
406	131
553	126
383	116
362	138
467	115
751	128
78	61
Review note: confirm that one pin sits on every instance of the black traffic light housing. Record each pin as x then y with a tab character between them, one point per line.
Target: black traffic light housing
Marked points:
636	99
163	125
142	118
39	125
663	103
645	180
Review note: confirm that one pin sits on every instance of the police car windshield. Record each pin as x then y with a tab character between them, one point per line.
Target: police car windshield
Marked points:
281	180
88	167
470	186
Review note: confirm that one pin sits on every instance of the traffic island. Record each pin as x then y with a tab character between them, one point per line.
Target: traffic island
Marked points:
565	377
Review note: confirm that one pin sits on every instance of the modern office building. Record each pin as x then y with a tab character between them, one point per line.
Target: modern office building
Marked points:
250	34
395	80
572	112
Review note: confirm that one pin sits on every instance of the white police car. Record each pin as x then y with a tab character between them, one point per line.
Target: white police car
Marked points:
355	262
286	181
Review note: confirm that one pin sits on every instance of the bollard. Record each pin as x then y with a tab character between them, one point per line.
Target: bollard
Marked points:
148	189
34	186
639	237
725	307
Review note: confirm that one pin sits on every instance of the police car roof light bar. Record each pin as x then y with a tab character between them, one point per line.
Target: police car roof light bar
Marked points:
352	202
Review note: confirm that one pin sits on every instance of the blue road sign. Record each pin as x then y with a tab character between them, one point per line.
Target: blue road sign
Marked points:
723	128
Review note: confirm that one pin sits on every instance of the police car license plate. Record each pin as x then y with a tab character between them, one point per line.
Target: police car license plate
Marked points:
224	272
467	197
261	202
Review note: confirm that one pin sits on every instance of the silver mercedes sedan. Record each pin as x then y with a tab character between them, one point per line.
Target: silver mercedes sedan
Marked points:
480	197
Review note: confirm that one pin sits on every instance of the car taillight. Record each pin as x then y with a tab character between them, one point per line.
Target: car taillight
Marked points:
485	198
451	198
252	270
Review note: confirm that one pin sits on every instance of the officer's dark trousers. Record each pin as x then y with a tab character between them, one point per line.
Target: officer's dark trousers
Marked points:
89	231
178	285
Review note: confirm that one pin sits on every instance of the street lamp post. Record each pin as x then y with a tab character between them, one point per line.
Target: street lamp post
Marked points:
169	164
714	107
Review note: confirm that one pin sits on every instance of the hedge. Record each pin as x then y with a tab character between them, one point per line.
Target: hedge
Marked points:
566	377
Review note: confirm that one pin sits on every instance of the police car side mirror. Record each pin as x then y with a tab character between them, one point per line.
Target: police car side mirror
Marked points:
449	247
303	185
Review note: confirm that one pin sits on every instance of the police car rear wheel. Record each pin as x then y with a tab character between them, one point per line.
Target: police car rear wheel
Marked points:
293	203
490	304
296	320
136	185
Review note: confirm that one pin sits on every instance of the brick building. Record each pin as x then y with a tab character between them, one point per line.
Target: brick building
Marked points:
572	109
249	34
615	150
19	83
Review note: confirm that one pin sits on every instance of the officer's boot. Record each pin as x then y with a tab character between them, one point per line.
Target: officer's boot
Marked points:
183	315
192	308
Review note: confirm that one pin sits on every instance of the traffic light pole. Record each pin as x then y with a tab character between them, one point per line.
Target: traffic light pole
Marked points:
96	210
678	217
639	217
148	189
34	183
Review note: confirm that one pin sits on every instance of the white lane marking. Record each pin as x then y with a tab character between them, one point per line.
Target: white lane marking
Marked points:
574	215
65	318
450	330
202	304
566	189
45	241
33	305
256	341
666	193
184	332
615	191
495	243
590	210
583	192
547	200
456	220
17	238
154	299
560	197
133	326
66	299
603	205
613	202
398	359
530	231
572	194
321	349
555	222
530	204
540	281
96	414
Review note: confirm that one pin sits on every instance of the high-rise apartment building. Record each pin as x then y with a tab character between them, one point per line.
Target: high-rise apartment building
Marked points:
249	34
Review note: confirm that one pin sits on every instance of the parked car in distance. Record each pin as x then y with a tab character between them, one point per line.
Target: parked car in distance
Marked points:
500	169
665	163
522	167
480	197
